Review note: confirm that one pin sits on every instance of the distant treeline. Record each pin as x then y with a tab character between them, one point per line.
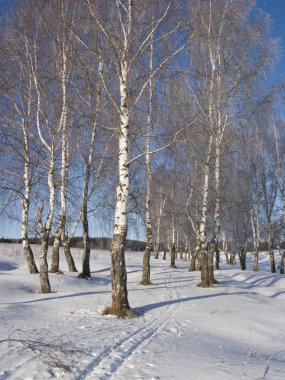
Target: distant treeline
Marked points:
131	245
77	242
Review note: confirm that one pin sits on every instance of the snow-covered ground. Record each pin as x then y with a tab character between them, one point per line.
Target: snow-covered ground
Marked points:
235	330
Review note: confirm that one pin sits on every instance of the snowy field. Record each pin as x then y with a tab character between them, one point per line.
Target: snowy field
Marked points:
235	330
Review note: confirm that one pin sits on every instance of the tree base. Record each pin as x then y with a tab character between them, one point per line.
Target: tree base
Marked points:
203	285
56	271
146	282
46	291
84	276
120	314
173	266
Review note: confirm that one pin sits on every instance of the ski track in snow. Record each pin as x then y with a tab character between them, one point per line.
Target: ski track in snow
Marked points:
108	362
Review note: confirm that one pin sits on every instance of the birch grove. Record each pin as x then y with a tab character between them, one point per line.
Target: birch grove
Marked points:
152	118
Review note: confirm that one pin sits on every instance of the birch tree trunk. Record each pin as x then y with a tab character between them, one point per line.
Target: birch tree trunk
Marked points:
205	280
173	248
270	249
85	273
46	228
172	256
60	236
44	278
202	226
225	248
158	223
255	225
146	259
217	200
193	259
120	304
242	258
282	263
26	204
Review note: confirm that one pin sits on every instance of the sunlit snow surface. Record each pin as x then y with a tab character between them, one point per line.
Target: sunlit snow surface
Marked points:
235	330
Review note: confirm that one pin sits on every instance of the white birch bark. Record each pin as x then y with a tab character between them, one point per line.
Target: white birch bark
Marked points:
26	180
195	227
26	202
60	236
205	282
120	304
161	205
46	227
255	226
146	259
85	194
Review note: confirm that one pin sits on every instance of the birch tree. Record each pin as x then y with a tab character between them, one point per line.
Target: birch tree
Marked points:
146	259
63	44
127	33
19	127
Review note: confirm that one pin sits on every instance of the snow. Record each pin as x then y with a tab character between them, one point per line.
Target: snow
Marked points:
234	330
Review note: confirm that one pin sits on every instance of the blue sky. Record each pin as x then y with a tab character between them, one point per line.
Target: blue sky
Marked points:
276	9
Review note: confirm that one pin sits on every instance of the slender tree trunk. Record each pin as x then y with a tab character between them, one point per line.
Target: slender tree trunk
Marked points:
255	243
242	258
158	223
232	259
194	256
164	252
227	258
204	270
26	204
68	255
217	193
25	241
173	248
172	256
272	262
146	259
282	263
181	251
44	278
29	256
225	248
202	227
255	226
55	256
211	251
60	236
156	250
255	260
270	250
86	273
193	259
